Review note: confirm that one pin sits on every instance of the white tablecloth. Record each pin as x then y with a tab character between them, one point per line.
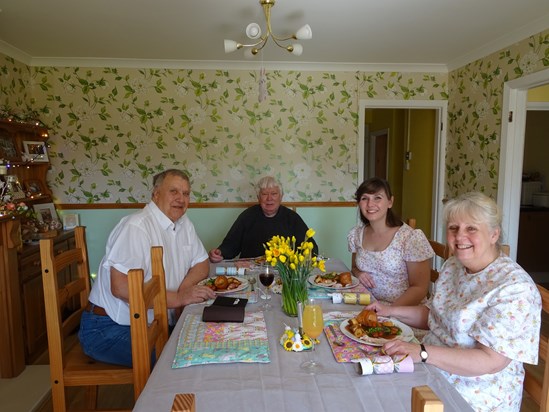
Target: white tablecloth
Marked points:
280	385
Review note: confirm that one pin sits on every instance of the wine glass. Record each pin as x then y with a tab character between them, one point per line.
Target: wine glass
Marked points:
313	325
266	277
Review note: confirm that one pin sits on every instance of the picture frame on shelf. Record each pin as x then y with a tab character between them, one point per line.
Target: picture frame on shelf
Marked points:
70	221
8	148
35	151
45	212
33	187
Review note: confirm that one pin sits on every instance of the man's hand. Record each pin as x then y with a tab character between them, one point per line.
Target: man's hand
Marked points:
195	294
215	255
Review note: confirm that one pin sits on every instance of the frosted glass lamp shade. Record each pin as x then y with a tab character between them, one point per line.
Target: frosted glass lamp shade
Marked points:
297	49
253	31
230	46
304	33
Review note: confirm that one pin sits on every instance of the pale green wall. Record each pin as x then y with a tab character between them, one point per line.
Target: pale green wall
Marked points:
330	223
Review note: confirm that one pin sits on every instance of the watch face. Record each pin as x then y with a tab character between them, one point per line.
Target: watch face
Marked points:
424	355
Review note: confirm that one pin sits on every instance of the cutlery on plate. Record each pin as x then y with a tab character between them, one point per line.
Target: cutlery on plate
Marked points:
337	339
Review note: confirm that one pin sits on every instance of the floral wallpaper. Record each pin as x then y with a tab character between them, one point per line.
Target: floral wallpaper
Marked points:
474	107
112	128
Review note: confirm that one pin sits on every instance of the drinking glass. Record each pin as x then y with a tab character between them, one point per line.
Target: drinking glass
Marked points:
266	277
313	325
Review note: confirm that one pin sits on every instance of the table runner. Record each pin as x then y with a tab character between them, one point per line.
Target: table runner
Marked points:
202	343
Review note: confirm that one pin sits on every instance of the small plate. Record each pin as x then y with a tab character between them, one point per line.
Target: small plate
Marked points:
334	285
407	333
243	285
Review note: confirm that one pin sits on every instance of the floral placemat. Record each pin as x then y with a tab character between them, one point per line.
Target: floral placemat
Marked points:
202	343
350	349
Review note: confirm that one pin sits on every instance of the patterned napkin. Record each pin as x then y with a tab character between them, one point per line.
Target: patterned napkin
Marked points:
351	349
201	343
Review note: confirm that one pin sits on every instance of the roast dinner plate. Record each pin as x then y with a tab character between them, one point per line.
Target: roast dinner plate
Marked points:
243	285
333	285
407	333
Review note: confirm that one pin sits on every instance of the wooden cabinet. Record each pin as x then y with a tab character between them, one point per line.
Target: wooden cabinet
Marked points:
12	359
32	294
23	153
23	335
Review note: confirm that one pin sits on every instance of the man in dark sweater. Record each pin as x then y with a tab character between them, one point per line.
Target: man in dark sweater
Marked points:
259	223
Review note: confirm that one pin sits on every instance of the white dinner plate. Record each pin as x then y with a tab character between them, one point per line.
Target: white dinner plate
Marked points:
334	285
243	285
407	333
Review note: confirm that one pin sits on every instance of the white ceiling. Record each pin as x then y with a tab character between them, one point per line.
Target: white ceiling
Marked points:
436	35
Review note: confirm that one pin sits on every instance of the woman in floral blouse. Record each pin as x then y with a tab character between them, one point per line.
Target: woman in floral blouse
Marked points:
388	256
484	315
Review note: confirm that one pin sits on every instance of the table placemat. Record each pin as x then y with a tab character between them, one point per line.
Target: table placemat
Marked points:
350	350
202	343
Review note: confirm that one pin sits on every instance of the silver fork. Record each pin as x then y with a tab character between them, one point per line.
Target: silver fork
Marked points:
337	340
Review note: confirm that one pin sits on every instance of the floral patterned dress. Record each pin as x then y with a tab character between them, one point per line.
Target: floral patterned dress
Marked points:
498	307
388	267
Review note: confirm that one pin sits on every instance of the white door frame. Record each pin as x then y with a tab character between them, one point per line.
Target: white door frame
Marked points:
515	98
439	162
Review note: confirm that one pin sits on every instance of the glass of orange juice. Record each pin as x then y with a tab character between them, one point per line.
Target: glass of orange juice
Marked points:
313	325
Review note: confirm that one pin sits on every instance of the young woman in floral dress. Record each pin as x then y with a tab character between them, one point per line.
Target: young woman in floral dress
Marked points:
388	257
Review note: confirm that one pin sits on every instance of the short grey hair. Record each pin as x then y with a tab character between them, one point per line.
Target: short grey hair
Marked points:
158	179
268	182
477	206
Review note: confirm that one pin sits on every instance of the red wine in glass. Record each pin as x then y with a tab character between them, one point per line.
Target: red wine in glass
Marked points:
266	278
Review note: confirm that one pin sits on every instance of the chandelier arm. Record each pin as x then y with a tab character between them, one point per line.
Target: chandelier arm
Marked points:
263	40
267	12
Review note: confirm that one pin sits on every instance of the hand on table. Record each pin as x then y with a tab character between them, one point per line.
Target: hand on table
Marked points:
399	347
196	294
366	279
215	256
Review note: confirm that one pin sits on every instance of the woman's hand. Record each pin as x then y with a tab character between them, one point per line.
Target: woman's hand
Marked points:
399	347
366	279
379	308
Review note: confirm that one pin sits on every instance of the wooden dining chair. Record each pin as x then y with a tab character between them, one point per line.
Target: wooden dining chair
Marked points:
536	381
69	366
147	336
425	400
443	252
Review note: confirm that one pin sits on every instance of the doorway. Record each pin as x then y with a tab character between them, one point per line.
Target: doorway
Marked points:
515	96
408	184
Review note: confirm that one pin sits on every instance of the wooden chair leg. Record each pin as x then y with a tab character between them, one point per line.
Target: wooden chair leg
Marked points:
91	397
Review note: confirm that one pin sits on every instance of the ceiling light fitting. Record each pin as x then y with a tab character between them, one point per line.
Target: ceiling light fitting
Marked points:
253	31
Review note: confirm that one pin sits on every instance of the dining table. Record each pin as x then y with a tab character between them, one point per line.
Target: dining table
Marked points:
273	380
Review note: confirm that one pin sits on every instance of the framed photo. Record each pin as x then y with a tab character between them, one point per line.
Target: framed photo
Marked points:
35	151
8	149
33	187
70	221
45	212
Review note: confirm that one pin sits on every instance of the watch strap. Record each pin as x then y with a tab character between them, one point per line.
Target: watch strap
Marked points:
423	350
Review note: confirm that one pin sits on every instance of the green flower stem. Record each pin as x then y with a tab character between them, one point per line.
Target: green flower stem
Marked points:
294	287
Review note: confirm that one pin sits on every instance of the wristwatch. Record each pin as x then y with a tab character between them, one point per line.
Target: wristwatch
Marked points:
423	354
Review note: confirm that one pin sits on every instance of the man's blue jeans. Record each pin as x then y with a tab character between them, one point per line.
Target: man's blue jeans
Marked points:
105	340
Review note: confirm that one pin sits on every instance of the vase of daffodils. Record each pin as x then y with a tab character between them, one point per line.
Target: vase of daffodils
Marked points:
294	264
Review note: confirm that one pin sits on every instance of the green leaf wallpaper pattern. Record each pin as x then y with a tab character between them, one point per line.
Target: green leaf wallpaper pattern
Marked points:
113	128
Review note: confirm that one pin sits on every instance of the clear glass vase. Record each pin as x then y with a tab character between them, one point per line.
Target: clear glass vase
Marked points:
293	290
